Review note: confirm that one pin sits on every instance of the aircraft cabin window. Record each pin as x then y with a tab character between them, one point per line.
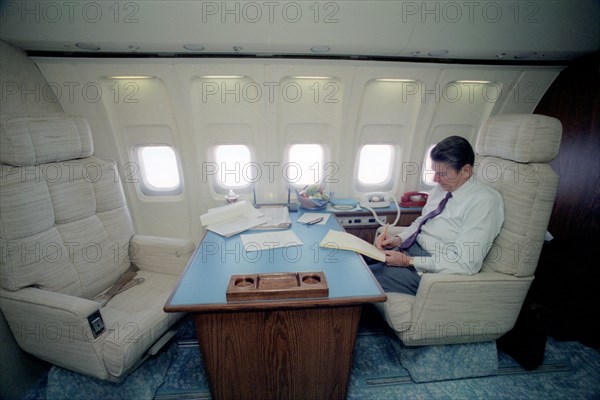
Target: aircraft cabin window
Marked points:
234	167
305	164
375	164
159	169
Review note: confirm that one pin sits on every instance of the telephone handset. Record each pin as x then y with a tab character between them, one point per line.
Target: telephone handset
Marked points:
413	199
371	201
375	200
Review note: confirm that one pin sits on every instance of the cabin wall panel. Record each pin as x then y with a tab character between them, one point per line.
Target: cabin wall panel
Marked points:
116	108
24	89
204	102
522	94
308	113
567	280
144	111
308	95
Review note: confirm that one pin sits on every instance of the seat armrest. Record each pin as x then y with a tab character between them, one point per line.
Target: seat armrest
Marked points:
160	254
47	302
55	327
451	293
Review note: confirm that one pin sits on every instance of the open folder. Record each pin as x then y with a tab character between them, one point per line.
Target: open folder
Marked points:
346	241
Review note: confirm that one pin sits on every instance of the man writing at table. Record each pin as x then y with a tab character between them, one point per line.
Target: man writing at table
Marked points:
455	230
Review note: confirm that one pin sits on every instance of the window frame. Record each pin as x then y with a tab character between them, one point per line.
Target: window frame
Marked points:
389	184
322	174
145	187
427	160
218	186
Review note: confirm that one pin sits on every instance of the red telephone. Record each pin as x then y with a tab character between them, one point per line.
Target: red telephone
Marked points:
413	199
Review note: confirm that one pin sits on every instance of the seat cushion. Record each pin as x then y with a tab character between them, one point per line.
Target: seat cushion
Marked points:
397	310
65	227
37	140
528	191
134	320
525	138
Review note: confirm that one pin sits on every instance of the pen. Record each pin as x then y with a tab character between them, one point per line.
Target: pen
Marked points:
315	221
383	236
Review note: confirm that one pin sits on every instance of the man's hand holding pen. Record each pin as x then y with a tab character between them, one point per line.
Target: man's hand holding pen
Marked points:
393	258
386	241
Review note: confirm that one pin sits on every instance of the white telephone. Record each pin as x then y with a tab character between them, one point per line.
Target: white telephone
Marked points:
375	200
370	201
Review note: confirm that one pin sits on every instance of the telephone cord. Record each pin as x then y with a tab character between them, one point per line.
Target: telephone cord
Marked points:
363	205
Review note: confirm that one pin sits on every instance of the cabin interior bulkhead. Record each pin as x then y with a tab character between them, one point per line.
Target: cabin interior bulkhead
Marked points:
274	82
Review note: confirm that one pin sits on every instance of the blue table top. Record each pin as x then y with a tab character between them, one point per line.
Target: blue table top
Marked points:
203	285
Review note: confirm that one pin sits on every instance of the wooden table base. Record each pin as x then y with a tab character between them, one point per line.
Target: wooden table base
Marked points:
298	353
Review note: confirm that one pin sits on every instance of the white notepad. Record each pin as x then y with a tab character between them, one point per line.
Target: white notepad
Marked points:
346	241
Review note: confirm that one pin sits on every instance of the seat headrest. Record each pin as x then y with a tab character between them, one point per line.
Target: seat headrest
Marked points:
524	138
41	139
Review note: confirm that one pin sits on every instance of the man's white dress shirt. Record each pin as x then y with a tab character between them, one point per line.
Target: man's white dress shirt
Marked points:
462	235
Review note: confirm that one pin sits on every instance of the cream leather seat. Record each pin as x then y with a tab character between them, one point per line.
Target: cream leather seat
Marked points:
512	156
66	236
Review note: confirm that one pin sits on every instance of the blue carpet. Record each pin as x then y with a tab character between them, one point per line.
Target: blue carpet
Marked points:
570	370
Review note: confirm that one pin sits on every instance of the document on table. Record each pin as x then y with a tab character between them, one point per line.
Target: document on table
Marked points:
275	218
346	241
270	240
232	218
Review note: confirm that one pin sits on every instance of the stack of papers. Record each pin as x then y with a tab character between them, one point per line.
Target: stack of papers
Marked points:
232	219
240	216
275	218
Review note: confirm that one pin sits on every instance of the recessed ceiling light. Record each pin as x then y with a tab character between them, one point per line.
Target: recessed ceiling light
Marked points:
320	49
222	76
88	46
394	80
130	77
473	82
311	77
193	47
